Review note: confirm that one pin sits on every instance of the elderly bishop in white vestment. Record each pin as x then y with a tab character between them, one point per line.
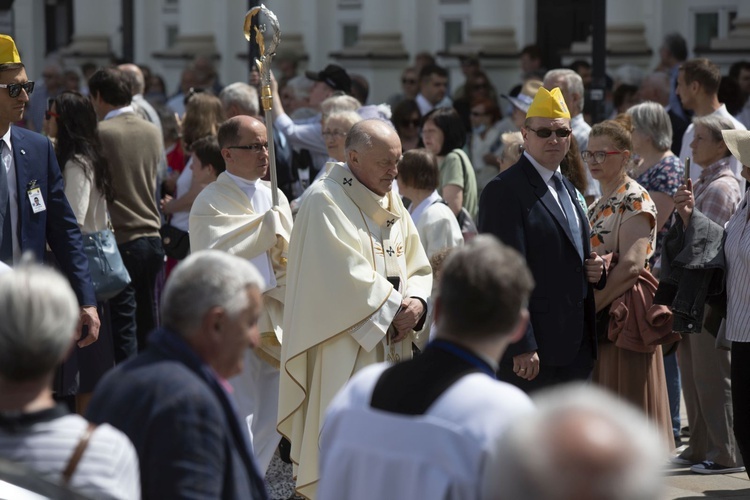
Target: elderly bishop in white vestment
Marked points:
354	255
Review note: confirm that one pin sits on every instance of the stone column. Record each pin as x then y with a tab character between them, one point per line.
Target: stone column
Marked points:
379	55
94	21
289	14
196	22
626	37
492	36
196	37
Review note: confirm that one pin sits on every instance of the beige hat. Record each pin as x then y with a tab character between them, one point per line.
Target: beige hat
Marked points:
738	142
523	100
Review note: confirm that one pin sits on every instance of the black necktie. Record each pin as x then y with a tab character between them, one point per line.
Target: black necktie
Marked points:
6	245
570	212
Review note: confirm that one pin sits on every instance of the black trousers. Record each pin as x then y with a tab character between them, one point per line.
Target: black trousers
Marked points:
133	311
741	397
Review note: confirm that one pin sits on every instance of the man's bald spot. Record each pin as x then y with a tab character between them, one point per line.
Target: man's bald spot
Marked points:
367	132
229	130
586	449
247	121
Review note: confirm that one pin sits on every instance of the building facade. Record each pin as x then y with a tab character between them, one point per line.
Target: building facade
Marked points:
375	38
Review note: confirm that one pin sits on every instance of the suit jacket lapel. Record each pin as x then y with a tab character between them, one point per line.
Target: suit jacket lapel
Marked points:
582	216
543	193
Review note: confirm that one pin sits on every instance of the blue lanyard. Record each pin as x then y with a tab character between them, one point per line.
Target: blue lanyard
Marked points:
464	354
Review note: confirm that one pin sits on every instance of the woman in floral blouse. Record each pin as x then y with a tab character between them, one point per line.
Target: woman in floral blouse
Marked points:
623	222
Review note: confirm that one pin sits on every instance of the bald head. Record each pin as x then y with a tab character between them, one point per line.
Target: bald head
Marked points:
655	87
582	444
588	451
373	150
136	75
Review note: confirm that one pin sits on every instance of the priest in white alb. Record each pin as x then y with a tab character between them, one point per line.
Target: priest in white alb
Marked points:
358	281
235	214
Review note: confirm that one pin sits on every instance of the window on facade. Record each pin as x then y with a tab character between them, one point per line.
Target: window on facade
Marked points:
172	32
713	23
453	33
349	35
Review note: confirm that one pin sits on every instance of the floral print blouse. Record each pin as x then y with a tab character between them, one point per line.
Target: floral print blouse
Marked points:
606	217
664	177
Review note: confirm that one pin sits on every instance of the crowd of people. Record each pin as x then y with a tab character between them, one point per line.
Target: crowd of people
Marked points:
467	294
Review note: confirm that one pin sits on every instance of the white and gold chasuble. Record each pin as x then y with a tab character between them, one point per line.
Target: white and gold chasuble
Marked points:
223	218
349	248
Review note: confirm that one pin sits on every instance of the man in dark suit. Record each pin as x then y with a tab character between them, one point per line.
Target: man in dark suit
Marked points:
30	171
534	209
172	400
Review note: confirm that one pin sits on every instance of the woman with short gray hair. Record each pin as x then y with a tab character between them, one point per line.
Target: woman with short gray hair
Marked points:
657	169
40	315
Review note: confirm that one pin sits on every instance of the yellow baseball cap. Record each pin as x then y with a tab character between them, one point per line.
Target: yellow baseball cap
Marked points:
8	51
548	104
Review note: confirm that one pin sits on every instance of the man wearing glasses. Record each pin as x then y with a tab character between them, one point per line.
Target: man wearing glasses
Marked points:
29	170
235	214
533	208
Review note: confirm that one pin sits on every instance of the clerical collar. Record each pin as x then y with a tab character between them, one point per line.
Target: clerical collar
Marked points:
241	182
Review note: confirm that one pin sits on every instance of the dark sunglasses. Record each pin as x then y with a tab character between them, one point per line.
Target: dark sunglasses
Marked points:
408	81
14	89
544	133
257	147
191	93
413	123
50	114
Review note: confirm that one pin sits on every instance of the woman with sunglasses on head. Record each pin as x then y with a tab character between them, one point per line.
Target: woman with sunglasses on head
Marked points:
71	121
623	225
444	135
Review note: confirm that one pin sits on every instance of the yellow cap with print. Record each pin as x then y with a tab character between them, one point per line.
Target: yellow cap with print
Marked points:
548	104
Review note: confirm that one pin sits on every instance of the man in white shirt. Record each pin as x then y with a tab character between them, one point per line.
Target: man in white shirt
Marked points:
235	214
433	89
698	87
